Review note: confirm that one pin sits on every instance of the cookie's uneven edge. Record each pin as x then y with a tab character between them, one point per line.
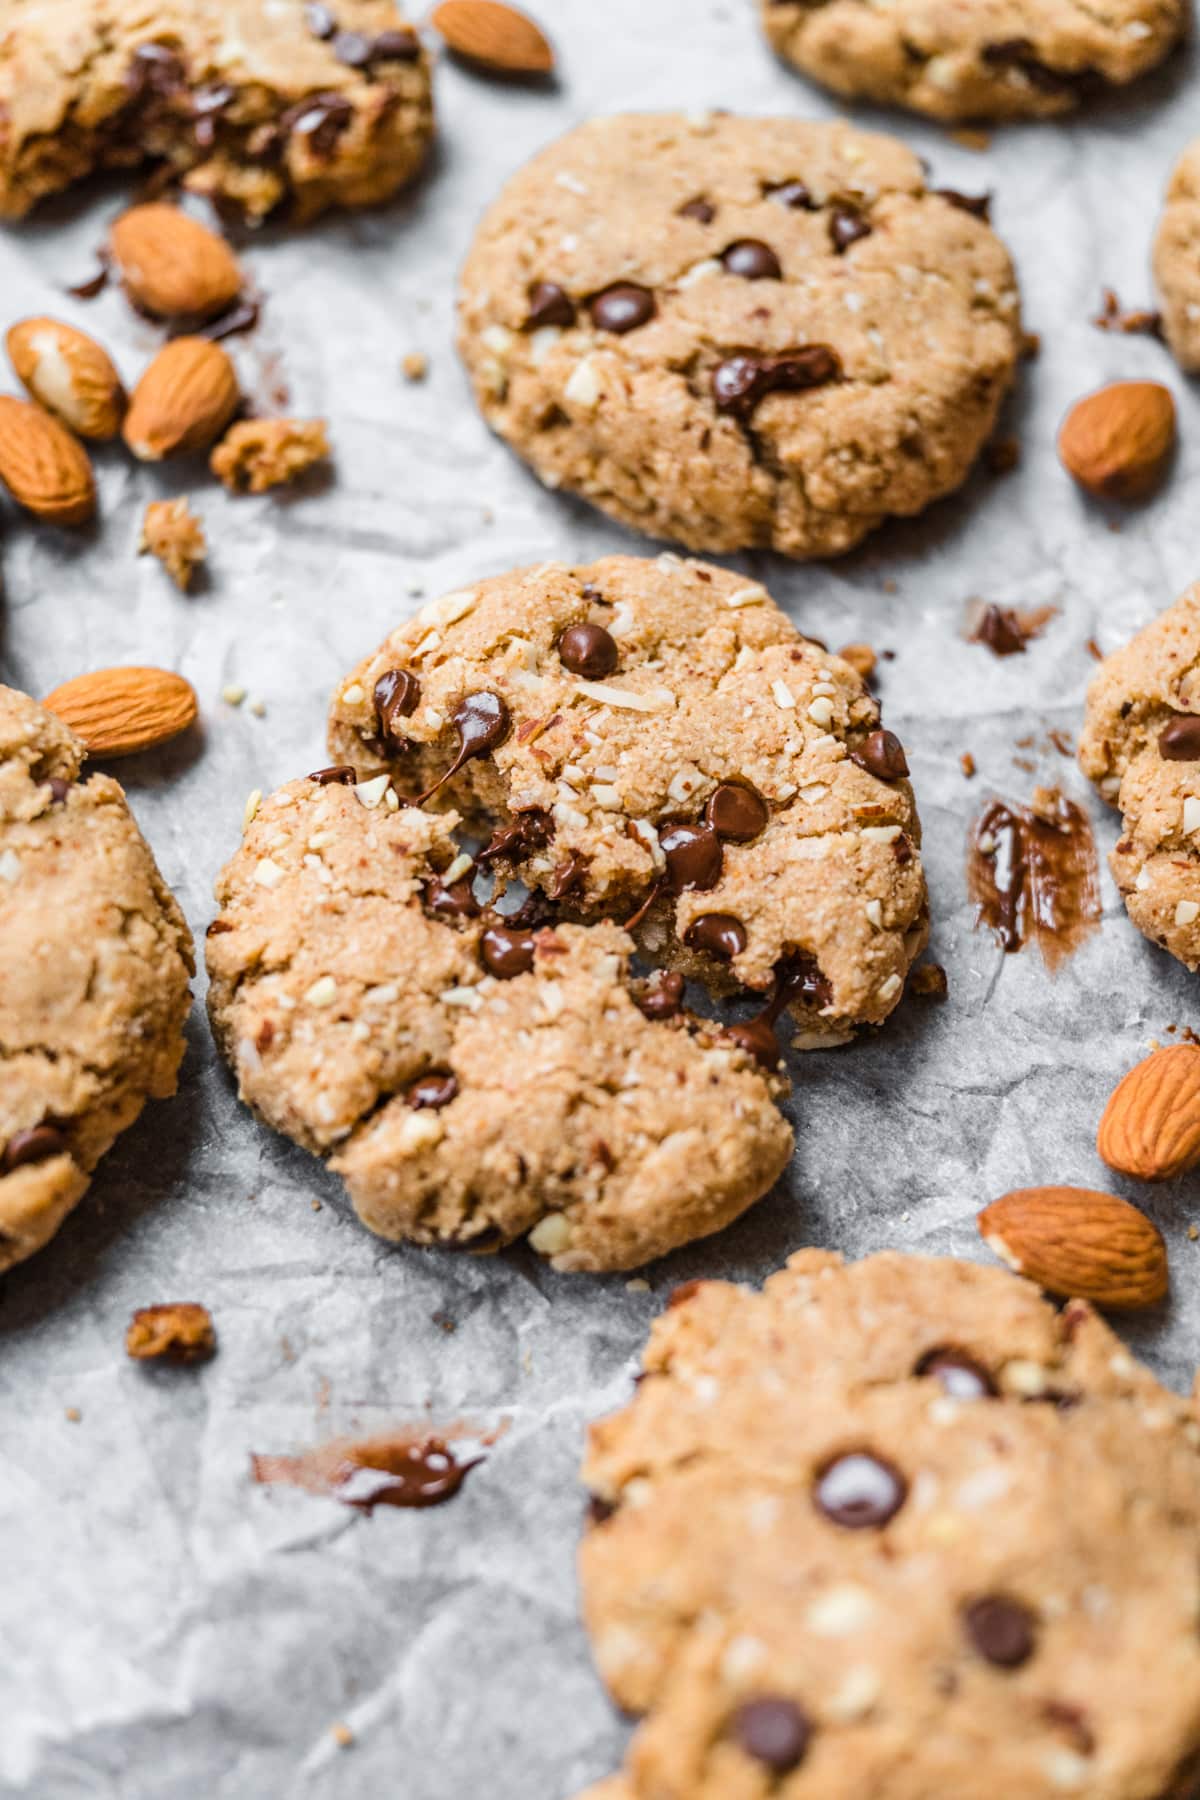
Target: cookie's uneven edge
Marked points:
1177	261
99	959
1140	745
471	1080
251	106
976	63
777	335
700	689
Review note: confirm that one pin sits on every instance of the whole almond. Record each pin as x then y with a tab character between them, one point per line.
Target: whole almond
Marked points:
43	467
1117	441
68	373
1079	1243
118	712
183	402
1151	1125
171	265
494	35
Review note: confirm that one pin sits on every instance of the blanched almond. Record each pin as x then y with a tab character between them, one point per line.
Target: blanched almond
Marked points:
183	402
68	373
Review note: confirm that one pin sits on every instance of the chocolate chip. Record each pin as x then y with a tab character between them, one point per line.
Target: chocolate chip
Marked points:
337	775
506	953
773	1731
757	1038
321	119
567	875
482	721
396	694
752	260
980	205
720	934
663	999
599	1511
622	307
846	226
588	650
1003	1631
860	1491
1180	740
957	1374
320	21
800	977
395	46
736	812
703	211
881	754
741	381
454	902
525	831
694	856
35	1145
1000	629
353	49
794	194
549	305
432	1091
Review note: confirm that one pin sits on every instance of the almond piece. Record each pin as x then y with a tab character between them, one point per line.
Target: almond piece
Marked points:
1117	441
1151	1125
1079	1244
118	712
494	36
183	402
70	374
172	266
43	467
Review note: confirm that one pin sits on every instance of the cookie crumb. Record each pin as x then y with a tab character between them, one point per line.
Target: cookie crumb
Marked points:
972	137
1194	1232
967	764
257	454
861	657
175	536
929	981
415	366
1002	455
73	1414
232	694
342	1736
181	1332
638	1285
1144	321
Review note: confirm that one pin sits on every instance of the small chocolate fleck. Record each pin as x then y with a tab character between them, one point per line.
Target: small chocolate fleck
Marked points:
694	856
860	1491
703	211
588	650
549	304
663	998
432	1091
622	307
1179	741
793	194
979	205
718	934
36	1144
506	953
737	812
757	1038
773	1731
752	260
396	694
742	380
1003	1631
1000	629
846	227
881	754
958	1374
337	775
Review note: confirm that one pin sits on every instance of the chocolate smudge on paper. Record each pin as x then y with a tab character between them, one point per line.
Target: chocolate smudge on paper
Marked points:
1033	874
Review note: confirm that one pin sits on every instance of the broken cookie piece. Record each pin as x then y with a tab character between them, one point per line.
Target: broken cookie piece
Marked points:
180	1332
257	454
173	534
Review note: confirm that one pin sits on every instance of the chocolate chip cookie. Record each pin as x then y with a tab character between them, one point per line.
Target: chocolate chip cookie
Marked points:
96	965
1177	260
897	1531
991	59
655	743
472	1078
739	331
1141	746
256	106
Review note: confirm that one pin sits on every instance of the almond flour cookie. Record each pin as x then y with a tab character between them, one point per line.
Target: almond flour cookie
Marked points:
990	59
255	105
472	1080
96	963
896	1531
1177	261
1141	746
739	331
654	742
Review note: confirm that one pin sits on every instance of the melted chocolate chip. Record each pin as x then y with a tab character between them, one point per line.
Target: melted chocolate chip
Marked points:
375	1473
694	856
1003	1631
482	721
525	832
773	1731
958	1374
752	260
860	1491
800	977
1180	740
736	812
588	650
454	902
980	205
397	694
622	307
432	1091
155	72
35	1145
320	119
741	381
881	754
846	227
703	211
663	999
549	305
567	875
719	934
757	1038
794	194
320	21
395	46
506	953
337	775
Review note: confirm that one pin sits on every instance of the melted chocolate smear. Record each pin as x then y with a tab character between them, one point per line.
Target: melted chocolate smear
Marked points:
798	979
568	875
336	775
661	999
400	1471
524	833
242	316
95	284
482	721
694	856
1006	630
1033	875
